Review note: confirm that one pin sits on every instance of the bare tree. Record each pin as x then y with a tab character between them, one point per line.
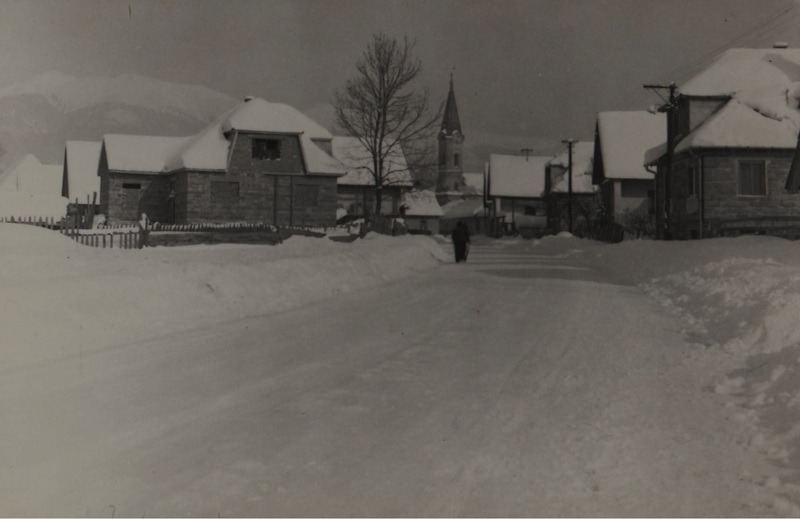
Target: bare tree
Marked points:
388	117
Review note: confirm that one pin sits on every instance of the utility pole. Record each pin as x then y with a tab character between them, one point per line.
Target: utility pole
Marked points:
670	109
569	143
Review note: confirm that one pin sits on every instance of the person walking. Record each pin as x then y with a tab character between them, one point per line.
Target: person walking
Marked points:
460	237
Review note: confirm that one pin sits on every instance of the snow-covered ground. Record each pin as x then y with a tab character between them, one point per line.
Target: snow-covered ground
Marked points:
735	300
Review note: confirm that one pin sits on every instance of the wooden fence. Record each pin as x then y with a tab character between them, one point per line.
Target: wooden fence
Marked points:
130	238
47	223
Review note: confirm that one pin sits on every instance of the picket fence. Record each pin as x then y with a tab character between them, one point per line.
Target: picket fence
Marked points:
122	238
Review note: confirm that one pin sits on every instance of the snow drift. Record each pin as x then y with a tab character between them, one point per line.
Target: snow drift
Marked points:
59	295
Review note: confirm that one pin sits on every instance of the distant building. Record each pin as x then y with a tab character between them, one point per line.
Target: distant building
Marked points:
260	161
30	189
356	189
421	211
450	183
516	189
621	141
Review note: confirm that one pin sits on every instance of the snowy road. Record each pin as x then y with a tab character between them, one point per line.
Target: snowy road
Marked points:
516	384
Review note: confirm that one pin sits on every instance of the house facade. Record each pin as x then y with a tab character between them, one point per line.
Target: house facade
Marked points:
517	186
577	194
624	183
260	162
735	127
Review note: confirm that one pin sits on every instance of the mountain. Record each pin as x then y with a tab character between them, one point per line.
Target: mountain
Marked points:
39	115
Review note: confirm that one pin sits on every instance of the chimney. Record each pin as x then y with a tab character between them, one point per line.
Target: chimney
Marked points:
780	45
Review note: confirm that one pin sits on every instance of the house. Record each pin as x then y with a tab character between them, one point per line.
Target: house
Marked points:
356	188
421	211
577	193
30	189
516	190
259	162
735	127
621	141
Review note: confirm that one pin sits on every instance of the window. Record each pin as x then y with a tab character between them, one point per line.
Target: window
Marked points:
423	225
267	149
131	186
530	210
752	178
224	193
456	160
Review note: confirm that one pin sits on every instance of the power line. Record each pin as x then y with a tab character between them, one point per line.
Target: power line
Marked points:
786	24
758	30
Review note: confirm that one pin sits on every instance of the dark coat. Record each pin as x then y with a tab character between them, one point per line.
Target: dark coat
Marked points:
461	233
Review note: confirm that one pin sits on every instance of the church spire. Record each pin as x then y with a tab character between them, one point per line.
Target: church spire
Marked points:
450	121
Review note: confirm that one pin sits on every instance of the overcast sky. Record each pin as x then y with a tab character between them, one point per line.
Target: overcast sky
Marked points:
525	71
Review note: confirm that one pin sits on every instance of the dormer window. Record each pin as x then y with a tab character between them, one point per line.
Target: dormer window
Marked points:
267	149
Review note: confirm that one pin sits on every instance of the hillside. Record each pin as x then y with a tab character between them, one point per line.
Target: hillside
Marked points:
37	116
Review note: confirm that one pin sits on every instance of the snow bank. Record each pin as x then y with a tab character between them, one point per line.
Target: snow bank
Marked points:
60	298
740	298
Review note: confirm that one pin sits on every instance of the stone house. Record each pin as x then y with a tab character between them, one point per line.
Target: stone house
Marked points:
621	141
516	189
580	195
259	162
735	127
356	188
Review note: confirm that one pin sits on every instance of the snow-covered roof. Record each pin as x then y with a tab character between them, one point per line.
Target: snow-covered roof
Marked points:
141	153
740	70
764	87
624	139
582	168
517	176
468	208
29	175
258	115
209	150
421	203
738	126
357	160
81	159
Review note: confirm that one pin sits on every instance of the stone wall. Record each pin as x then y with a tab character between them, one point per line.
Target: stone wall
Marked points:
717	195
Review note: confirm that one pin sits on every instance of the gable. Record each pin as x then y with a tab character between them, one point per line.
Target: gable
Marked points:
517	176
624	138
81	162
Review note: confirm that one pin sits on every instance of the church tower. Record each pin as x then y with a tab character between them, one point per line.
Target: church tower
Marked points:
450	175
